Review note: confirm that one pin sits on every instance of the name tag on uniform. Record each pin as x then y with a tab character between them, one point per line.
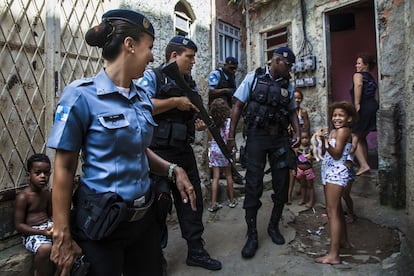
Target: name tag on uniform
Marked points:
112	118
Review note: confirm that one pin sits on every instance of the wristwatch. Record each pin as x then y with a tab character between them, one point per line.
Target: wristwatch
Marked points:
171	175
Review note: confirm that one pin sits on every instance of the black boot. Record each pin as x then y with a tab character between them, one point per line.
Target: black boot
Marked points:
252	243
198	256
273	228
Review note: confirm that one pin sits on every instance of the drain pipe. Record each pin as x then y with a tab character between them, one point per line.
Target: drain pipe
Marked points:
213	34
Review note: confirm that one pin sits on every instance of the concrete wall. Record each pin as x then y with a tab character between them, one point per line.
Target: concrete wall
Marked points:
409	124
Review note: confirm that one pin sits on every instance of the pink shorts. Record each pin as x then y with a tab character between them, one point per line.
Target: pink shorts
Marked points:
308	174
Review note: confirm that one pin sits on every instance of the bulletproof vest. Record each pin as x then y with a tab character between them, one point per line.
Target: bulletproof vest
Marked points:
225	83
268	105
175	127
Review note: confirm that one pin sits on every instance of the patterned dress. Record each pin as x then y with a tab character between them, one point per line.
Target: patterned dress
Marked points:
216	157
335	171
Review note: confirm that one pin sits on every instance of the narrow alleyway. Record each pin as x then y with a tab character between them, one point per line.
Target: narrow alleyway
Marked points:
225	236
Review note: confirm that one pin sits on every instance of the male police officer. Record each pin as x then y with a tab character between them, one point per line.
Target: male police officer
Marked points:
175	116
222	83
270	107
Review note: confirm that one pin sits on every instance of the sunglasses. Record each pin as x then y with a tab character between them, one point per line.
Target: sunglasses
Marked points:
233	67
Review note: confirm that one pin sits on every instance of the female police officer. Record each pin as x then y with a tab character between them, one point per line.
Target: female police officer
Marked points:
109	120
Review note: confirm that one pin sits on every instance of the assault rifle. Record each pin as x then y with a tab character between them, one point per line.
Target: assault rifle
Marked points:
172	71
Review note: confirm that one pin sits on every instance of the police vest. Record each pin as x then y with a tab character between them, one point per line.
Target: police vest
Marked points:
268	105
175	127
225	83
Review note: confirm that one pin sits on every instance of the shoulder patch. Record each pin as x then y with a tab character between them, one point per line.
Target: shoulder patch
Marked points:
142	81
62	113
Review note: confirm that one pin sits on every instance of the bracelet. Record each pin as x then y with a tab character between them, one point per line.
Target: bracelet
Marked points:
171	175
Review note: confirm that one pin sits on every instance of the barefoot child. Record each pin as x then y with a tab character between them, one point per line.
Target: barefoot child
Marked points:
220	112
304	124
33	213
335	176
305	173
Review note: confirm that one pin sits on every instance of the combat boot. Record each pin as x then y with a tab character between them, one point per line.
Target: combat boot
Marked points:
252	243
273	228
198	256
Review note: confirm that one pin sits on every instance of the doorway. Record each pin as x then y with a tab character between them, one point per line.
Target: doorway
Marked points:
351	31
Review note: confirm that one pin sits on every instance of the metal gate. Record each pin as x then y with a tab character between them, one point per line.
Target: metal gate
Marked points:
42	49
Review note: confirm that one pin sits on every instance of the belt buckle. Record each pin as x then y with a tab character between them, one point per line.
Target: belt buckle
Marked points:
140	212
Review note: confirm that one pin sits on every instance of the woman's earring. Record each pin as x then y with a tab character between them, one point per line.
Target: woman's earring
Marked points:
133	51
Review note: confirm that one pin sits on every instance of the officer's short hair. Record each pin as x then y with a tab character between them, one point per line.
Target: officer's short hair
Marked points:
179	44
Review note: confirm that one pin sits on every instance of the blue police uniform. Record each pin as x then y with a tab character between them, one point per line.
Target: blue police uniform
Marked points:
112	132
214	78
92	116
183	155
267	104
259	143
172	141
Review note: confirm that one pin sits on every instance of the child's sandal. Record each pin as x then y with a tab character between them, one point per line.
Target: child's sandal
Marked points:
233	204
214	208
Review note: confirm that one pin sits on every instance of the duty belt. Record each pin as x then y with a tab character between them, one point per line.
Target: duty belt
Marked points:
139	207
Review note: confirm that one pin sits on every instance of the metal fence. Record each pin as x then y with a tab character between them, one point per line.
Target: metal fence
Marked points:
42	49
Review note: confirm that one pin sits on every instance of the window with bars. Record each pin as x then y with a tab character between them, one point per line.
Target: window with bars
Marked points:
229	41
273	39
182	24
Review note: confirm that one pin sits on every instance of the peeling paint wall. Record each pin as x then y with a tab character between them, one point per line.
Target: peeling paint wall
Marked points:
409	125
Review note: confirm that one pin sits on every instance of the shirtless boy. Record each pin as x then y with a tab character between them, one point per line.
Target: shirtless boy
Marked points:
33	212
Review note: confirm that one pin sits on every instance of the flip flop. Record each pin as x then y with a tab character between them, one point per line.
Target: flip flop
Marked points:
359	173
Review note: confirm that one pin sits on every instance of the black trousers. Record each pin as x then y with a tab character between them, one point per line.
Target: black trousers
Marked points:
191	223
259	147
132	249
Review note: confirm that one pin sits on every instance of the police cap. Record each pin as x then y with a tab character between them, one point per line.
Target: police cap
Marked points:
180	40
287	53
231	60
132	17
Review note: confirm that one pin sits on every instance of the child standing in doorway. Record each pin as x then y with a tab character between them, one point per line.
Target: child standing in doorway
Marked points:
305	173
33	213
220	113
304	125
335	176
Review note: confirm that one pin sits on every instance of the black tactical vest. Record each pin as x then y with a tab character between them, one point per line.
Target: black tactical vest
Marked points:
268	105
226	83
175	127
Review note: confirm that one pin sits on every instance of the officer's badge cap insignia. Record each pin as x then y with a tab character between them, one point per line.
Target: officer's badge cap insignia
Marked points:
285	54
185	41
145	23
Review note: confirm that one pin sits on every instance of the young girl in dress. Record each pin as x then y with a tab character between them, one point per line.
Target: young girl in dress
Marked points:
304	125
335	176
220	113
305	173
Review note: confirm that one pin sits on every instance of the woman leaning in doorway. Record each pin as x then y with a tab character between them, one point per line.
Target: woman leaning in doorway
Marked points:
364	93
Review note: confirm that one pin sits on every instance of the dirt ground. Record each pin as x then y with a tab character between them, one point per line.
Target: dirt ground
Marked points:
312	238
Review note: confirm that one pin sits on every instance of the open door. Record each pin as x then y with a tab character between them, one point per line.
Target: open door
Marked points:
350	31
